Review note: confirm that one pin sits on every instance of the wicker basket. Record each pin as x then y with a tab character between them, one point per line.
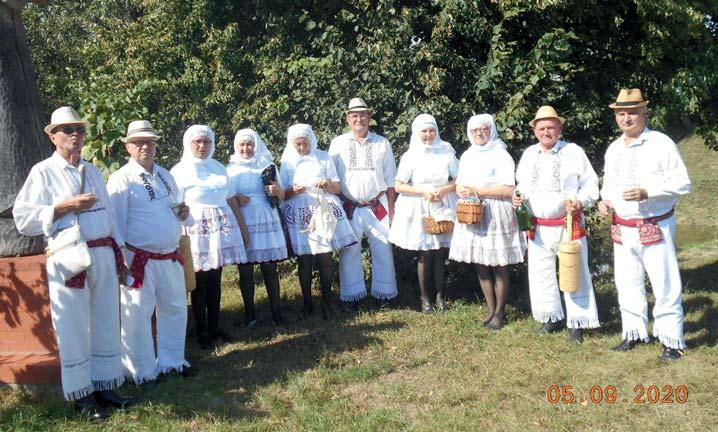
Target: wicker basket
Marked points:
431	226
468	212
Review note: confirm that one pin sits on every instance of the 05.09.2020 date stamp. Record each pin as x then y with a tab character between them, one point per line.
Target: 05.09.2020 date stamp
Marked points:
609	394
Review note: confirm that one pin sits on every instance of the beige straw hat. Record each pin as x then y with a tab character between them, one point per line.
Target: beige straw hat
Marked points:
629	98
546	112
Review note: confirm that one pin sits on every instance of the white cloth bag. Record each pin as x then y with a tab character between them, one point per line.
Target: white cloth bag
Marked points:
67	247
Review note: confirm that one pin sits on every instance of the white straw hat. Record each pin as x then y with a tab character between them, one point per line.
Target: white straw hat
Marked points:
65	115
357	104
139	129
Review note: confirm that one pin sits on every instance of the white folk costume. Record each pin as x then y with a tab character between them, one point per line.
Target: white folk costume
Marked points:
307	171
547	180
496	240
85	309
141	202
204	185
643	233
366	169
267	242
428	167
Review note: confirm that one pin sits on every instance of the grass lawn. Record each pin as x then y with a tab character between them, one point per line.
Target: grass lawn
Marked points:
401	370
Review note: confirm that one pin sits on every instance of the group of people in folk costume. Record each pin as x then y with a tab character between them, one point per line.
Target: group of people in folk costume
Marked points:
249	213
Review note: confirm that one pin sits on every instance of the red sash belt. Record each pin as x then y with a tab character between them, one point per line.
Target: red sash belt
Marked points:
78	281
648	231
577	225
376	206
139	261
633	223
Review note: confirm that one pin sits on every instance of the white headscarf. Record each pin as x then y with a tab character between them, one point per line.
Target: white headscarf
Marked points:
417	146
191	133
261	153
494	140
299	130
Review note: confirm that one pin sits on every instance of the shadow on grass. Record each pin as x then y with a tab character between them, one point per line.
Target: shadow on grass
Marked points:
700	298
231	382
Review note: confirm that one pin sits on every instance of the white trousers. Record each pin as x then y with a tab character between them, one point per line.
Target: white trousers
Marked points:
546	307
162	293
87	326
632	261
351	273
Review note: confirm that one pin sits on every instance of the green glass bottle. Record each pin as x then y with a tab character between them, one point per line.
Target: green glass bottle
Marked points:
523	215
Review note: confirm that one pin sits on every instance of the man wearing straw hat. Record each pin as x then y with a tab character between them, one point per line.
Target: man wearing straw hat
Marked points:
555	177
61	192
643	177
149	214
366	166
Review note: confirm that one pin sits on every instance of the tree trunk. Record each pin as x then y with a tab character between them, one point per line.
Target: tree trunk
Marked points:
22	141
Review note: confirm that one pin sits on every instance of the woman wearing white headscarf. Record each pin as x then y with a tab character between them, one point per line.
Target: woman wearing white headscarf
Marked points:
267	244
486	171
425	183
215	236
310	175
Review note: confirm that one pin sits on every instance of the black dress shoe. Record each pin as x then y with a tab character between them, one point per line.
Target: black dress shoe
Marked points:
550	327
110	397
279	321
575	336
221	334
671	353
89	407
189	372
626	345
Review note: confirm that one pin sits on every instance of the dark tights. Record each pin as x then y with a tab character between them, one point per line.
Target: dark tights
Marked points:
323	263
430	268
246	286
494	283
205	301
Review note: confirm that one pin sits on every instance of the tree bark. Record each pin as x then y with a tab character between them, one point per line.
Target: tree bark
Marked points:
22	140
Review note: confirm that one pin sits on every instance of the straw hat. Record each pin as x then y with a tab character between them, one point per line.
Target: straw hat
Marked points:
65	115
546	112
629	98
357	104
139	129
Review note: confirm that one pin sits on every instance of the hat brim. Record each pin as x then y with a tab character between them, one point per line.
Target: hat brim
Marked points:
139	136
358	109
533	122
625	105
48	129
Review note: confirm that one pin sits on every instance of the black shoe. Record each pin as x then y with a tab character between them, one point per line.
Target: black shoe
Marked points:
575	336
440	303
249	321
204	341
279	321
671	354
550	327
382	304
110	397
188	372
626	345
90	408
221	334
327	311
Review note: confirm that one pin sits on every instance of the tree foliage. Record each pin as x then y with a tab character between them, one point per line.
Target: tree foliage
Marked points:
267	65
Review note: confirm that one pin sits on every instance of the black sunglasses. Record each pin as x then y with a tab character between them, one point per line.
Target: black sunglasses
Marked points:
69	130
